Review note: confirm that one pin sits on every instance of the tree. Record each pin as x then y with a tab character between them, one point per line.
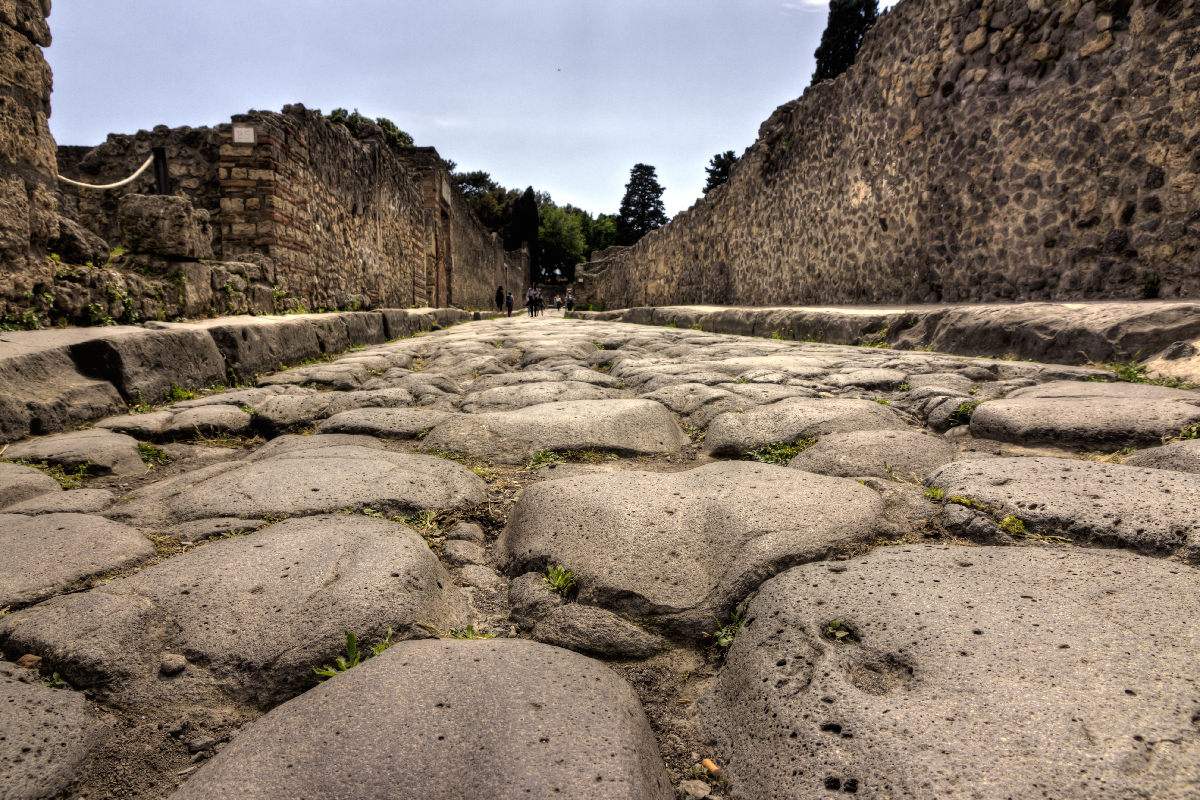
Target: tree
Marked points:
598	233
642	207
396	139
522	227
718	169
561	241
849	21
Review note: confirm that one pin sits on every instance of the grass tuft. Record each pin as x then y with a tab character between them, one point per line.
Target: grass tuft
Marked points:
780	452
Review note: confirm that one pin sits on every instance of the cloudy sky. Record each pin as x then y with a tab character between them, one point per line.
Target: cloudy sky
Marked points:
566	95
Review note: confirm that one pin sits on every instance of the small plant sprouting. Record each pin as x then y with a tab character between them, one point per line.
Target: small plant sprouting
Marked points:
142	406
1190	432
780	452
883	401
421	434
353	656
836	631
545	458
423	522
904	387
469	632
153	455
723	636
67	480
780	335
878	340
962	414
966	501
56	682
1013	526
177	392
935	494
559	580
373	514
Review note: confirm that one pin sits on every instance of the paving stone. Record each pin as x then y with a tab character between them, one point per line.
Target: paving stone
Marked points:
1181	456
253	614
107	453
385	423
734	434
900	455
316	480
76	501
212	420
531	599
53	553
1097	416
884	380
45	736
19	483
141	426
457	552
144	364
510	398
425	719
292	443
696	403
278	415
680	546
1153	510
467	532
208	528
1013	671
594	631
636	427
480	576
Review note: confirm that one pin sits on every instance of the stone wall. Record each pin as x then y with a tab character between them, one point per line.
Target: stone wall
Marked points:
28	220
978	150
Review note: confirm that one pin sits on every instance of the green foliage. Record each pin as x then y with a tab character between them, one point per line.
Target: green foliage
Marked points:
723	636
177	392
718	169
480	466
1190	432
423	522
1133	372
934	494
1014	526
877	340
522	227
642	208
395	138
883	401
559	580
962	414
904	387
780	452
968	502
153	455
67	480
543	458
353	656
560	237
27	320
469	632
836	630
56	682
848	23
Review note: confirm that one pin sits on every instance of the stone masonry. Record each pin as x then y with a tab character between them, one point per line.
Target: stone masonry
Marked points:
978	150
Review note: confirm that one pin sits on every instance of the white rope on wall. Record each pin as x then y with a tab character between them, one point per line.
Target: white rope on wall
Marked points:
116	185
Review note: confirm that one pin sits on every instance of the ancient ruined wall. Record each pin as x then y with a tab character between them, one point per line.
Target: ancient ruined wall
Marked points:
192	157
978	150
28	222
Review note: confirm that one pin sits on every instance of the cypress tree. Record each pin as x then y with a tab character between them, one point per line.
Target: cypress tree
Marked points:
849	21
718	169
642	208
523	227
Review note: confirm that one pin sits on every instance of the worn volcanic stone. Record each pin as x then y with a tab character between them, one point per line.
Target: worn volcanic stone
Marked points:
880	454
257	611
681	546
106	452
1148	509
510	398
591	630
639	427
207	421
45	735
446	719
734	434
385	423
48	554
1014	671
76	501
1179	456
311	481
1087	415
142	426
144	364
19	483
531	599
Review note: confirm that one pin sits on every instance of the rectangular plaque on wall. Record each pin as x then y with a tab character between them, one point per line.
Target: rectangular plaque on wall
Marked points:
244	134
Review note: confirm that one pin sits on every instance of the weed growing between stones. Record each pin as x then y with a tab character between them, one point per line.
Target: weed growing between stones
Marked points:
142	406
780	453
723	636
1190	432
672	324
836	631
695	434
1133	372
469	632
152	455
228	440
883	401
962	414
934	494
968	502
877	340
480	466
353	656
177	392
559	580
72	479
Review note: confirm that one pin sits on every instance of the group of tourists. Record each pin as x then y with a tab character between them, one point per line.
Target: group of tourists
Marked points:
534	301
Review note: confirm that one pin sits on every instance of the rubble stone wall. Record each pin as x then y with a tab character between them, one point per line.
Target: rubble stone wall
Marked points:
978	150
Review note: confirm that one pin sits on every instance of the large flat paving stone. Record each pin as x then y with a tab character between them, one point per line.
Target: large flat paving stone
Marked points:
1181	456
511	398
989	673
633	427
678	547
252	614
1100	416
19	483
444	719
45	735
734	434
105	452
76	501
384	423
52	553
897	455
313	480
1153	510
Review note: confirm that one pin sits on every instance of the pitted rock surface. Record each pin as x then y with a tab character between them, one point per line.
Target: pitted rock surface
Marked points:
908	455
252	614
1181	456
45	736
19	483
681	546
104	452
792	419
424	720
1153	510
1012	671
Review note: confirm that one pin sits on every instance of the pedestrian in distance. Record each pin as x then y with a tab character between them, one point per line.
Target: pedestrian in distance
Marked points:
508	301
499	297
531	299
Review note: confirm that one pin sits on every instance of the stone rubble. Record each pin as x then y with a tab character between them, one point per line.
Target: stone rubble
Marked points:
718	509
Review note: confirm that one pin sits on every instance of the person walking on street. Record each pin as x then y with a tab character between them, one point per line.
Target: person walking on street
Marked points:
509	302
570	301
531	299
499	297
